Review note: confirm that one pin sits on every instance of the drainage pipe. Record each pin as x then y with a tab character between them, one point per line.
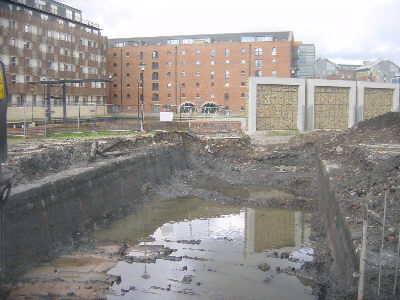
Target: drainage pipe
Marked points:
360	295
397	264
383	237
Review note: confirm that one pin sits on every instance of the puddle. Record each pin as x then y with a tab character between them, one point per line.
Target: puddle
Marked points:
191	249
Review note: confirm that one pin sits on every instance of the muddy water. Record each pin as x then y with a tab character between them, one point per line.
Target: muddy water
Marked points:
218	252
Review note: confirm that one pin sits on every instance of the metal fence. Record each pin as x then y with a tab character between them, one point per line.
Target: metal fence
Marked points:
30	120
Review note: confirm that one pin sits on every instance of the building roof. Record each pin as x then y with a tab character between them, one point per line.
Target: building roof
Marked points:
208	38
347	67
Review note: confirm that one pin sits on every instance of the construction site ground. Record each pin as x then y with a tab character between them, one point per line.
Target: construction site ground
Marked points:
367	157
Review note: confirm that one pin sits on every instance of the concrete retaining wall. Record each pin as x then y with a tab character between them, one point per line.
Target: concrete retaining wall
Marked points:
315	103
52	212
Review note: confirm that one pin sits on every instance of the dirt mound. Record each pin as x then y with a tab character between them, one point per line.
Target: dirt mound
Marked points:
390	120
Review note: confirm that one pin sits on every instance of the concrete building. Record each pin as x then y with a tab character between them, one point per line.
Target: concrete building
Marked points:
326	69
378	71
47	40
207	73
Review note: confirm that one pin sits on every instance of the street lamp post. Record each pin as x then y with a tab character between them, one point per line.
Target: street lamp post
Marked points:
180	103
142	109
138	97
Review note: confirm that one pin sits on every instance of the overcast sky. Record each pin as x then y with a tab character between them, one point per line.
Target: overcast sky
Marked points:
346	31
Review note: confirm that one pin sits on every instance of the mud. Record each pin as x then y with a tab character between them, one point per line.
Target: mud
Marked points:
368	157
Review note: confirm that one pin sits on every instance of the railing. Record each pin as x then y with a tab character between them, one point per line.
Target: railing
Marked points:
27	120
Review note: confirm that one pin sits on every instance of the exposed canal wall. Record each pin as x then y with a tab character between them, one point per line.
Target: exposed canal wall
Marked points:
41	217
345	261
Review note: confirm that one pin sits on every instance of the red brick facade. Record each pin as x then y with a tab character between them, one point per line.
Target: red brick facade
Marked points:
197	63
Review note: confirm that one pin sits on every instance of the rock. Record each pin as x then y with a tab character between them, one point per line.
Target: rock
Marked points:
187	279
264	267
284	255
184	268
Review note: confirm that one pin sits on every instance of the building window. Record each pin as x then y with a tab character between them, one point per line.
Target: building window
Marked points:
183	84
128	75
242	95
14	60
155	97
226	97
212	84
197	84
168	63
169	95
114	65
183	95
226	74
168	52
128	64
115	54
212	95
227	61
140	55
273	73
128	85
212	62
274	60
127	54
154	86
12	42
197	62
242	73
243	83
154	65
212	75
154	76
169	84
258	73
243	50
273	51
258	52
197	95
258	63
226	83
242	108
197	73
27	45
243	62
155	108
183	52
14	78
128	96
183	73
197	51
27	78
115	96
212	52
169	74
11	24
226	52
26	28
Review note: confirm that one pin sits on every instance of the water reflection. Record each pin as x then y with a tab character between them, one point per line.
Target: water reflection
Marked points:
216	251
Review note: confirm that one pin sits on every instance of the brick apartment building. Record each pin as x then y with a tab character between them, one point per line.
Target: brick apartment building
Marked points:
46	40
206	73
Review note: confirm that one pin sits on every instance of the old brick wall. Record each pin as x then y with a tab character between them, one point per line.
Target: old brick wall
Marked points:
331	107
277	107
377	102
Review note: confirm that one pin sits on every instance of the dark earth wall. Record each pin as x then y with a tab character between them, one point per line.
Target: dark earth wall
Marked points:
41	217
345	262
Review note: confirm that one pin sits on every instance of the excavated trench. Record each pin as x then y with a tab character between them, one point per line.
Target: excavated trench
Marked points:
172	216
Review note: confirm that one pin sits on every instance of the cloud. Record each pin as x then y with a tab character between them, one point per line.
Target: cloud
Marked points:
356	29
